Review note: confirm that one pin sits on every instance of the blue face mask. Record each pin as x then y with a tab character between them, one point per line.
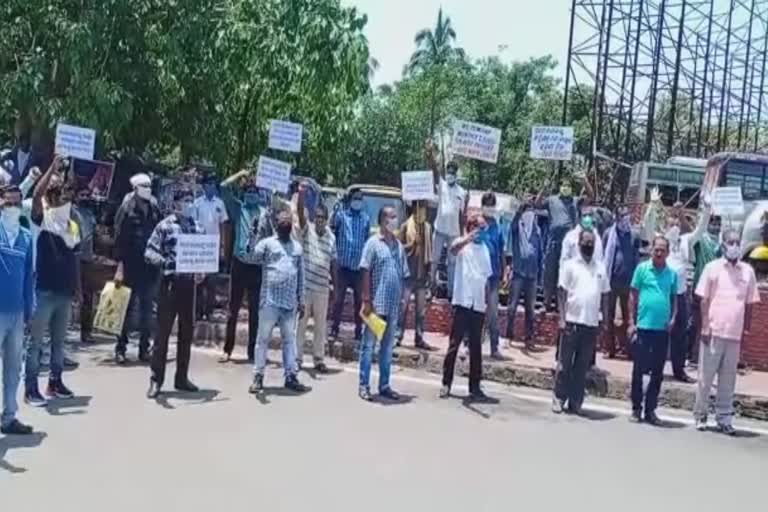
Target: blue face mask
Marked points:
251	199
210	191
482	236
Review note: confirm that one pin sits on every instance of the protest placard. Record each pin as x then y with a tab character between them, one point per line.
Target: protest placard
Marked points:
273	174
285	136
75	141
728	202
476	141
417	185
197	254
552	142
113	306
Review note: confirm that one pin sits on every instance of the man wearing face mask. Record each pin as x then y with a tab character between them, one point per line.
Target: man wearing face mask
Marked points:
246	273
16	303
83	214
583	295
22	156
352	226
622	254
134	223
525	245
385	268
211	213
728	290
58	281
570	248
493	238
177	293
282	300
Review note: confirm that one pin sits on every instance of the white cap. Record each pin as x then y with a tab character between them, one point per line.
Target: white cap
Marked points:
140	179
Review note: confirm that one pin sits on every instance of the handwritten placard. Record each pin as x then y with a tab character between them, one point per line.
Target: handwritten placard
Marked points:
552	142
75	141
418	185
285	136
728	202
476	141
197	254
273	174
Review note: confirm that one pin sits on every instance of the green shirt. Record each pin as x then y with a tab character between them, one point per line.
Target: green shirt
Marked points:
706	250
655	288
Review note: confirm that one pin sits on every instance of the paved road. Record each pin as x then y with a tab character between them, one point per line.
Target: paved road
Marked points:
114	450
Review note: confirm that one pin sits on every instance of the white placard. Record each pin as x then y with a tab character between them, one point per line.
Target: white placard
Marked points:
728	202
285	136
552	142
75	141
273	174
197	254
476	141
418	185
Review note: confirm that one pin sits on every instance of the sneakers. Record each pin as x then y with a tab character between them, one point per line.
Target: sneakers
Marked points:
16	428
57	389
701	424
390	394
727	430
652	419
154	389
121	359
292	384
636	417
365	394
557	406
445	392
34	398
257	386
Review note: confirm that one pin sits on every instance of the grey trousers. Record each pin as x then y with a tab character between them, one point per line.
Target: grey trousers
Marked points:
720	357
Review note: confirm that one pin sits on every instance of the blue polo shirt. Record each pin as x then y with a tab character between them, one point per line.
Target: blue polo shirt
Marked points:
655	287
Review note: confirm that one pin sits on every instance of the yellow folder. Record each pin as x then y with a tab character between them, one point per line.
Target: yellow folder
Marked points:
376	324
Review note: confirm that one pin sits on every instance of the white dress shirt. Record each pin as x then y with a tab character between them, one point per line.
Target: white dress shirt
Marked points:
584	283
473	268
211	214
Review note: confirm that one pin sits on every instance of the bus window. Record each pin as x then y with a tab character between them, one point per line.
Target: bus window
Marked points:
749	176
686	194
668	193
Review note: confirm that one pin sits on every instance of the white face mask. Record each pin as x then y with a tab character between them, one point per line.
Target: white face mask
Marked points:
732	252
10	218
144	192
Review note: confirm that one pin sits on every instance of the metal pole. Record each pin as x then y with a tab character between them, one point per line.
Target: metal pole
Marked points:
692	96
725	92
673	107
762	89
564	118
744	85
706	77
711	99
628	139
655	84
623	81
598	144
597	113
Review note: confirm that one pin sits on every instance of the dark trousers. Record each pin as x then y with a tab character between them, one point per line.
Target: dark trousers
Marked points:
577	345
678	338
348	279
649	356
618	294
176	299
525	287
244	278
466	323
552	264
138	316
89	287
206	297
694	330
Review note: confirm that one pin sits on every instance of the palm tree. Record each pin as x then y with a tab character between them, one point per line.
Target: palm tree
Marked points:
434	49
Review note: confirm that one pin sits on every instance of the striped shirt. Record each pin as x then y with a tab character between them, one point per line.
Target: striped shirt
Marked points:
161	247
319	252
16	279
352	229
282	284
387	267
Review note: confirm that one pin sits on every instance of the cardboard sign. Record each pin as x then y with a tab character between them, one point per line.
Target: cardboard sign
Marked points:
417	185
285	136
728	202
273	175
113	306
552	142
95	176
75	141
476	141
197	254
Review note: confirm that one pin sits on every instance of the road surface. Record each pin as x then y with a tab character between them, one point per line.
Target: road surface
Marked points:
112	449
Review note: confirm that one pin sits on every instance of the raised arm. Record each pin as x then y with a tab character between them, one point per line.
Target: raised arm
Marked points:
463	241
429	154
702	224
42	188
300	201
235	178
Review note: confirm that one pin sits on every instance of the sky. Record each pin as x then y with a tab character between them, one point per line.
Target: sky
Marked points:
512	29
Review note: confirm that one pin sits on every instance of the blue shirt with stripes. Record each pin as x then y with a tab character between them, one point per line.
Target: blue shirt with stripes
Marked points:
387	269
352	229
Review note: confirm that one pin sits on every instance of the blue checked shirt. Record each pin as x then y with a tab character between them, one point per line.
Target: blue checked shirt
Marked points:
387	268
161	247
282	284
352	229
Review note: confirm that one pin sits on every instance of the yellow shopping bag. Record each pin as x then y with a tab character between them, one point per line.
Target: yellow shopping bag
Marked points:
376	324
113	306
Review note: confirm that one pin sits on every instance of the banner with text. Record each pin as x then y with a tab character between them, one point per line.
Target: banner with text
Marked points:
418	185
273	174
552	142
476	141
197	254
728	202
75	141
285	136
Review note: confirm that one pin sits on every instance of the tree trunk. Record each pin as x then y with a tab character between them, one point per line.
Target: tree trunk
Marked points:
243	128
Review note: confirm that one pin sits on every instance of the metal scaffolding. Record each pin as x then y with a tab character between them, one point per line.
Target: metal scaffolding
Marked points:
658	78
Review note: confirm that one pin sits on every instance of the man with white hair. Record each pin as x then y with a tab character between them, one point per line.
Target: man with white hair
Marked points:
134	222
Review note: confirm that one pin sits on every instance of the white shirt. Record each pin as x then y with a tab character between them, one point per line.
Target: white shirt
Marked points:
676	263
571	246
473	268
450	201
211	214
584	283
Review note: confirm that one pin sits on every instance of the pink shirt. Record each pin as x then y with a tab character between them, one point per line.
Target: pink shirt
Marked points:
728	288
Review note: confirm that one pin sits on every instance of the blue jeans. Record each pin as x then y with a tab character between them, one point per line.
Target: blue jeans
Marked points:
525	286
285	319
419	292
386	346
53	312
11	346
492	314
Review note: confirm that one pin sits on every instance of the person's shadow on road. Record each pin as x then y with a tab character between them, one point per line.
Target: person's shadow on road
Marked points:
68	406
204	396
8	443
263	397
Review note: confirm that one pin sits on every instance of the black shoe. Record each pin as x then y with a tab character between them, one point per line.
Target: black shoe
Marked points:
479	396
445	392
390	394
652	419
16	428
145	356
321	368
636	417
70	363
121	359
292	383
496	356
685	379
257	386
365	394
154	390
33	397
86	338
57	389
186	387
